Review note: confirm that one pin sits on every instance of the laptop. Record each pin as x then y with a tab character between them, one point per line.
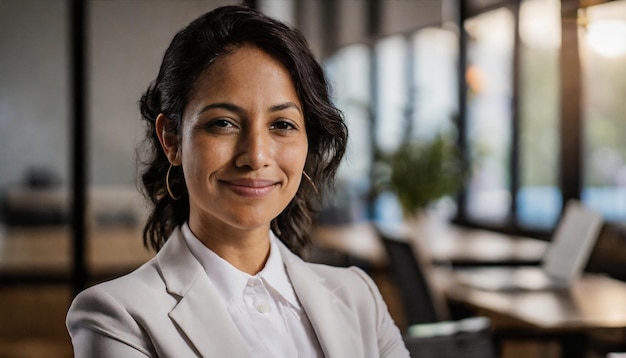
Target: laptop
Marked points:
564	261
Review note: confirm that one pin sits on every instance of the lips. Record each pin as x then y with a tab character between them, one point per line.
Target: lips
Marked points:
251	187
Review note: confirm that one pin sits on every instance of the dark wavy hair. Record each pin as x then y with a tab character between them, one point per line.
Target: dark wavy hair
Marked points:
191	52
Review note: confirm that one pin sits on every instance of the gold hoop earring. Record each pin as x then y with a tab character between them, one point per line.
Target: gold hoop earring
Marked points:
311	182
167	184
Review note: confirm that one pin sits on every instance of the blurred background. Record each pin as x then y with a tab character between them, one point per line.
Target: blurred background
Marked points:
529	93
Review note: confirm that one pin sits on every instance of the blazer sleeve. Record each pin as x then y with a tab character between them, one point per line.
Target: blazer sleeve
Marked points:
100	327
390	342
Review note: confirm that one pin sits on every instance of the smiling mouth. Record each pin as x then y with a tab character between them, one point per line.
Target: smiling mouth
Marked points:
252	188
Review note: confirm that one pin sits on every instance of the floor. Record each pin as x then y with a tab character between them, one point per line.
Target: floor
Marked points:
32	321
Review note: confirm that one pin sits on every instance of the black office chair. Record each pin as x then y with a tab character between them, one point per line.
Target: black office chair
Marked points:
414	288
430	333
413	276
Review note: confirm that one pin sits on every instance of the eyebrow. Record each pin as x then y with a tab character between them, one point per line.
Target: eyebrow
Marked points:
224	105
286	105
237	109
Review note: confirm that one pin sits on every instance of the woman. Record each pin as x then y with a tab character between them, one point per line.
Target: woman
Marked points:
243	133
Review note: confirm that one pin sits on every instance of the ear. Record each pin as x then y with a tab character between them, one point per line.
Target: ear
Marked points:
168	139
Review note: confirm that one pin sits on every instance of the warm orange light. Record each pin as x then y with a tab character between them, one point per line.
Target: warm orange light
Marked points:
474	78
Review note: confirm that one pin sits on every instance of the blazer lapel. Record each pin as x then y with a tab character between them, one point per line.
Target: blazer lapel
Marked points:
200	313
334	323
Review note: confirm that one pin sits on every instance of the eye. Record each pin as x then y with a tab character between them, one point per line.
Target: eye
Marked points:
283	125
221	123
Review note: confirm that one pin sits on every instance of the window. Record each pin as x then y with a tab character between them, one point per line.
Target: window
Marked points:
539	197
433	92
519	113
489	79
603	50
348	71
391	102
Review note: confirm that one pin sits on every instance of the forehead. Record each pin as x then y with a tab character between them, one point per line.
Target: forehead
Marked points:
247	63
245	76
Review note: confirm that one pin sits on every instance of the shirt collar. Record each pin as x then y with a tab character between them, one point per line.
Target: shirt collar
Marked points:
230	282
275	274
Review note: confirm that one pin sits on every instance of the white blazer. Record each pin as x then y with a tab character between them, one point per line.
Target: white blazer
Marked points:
169	308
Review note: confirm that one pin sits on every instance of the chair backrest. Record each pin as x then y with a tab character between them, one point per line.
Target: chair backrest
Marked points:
414	286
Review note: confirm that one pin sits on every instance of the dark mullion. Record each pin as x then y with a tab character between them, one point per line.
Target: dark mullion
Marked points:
571	118
330	10
515	117
461	215
78	29
373	30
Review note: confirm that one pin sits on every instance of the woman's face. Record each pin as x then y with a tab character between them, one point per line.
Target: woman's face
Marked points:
243	144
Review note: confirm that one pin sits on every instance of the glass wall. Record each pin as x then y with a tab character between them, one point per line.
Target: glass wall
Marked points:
539	197
514	110
602	36
415	98
348	71
391	92
433	92
489	80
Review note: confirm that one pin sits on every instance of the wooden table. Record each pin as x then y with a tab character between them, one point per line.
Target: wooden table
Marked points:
445	243
593	304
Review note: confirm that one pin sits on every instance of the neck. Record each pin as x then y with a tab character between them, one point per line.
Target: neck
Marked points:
247	250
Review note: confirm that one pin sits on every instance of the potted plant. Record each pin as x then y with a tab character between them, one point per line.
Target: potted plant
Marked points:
421	172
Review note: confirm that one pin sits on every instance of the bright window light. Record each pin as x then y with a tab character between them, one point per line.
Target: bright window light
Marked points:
607	37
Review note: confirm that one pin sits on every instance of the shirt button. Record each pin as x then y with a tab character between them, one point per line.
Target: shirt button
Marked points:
262	307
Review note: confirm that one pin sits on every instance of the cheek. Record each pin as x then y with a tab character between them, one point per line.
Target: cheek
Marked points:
291	164
295	158
202	157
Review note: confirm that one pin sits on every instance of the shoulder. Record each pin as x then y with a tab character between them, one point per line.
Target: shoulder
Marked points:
350	284
147	284
142	281
347	283
359	294
115	308
122	291
122	302
352	276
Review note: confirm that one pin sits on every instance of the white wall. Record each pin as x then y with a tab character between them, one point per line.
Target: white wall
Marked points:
34	114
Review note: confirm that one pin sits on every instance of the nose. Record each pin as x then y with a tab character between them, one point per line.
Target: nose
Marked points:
255	149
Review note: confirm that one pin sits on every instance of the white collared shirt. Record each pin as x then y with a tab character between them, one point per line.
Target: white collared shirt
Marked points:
264	307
